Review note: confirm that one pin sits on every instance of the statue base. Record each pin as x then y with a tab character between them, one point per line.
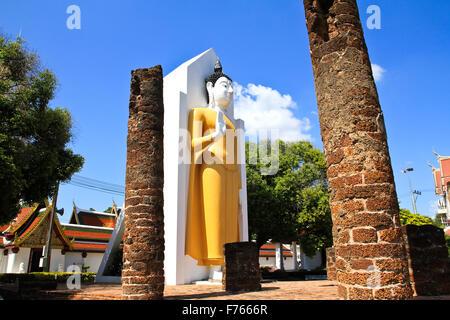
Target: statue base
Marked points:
215	276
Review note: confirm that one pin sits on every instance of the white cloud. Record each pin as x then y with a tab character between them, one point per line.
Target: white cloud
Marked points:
263	108
378	72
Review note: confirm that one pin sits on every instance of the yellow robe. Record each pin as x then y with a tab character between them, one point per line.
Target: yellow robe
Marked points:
213	198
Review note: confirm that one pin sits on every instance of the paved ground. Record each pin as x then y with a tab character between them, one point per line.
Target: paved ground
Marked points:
277	290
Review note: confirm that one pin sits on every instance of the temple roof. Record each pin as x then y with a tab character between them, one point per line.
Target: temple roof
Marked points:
269	250
88	238
90	232
94	218
30	228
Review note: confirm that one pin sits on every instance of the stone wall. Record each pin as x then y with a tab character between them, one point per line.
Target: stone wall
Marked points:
331	264
428	260
241	270
143	251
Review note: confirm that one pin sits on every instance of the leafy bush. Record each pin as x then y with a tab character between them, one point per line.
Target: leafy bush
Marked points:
86	277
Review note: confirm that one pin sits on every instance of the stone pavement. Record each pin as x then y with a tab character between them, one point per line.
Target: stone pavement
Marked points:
276	290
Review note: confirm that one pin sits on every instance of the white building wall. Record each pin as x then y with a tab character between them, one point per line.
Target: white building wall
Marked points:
271	262
55	260
3	262
267	262
93	260
15	259
310	263
73	258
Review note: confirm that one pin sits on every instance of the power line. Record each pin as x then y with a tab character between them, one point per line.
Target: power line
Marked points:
97	185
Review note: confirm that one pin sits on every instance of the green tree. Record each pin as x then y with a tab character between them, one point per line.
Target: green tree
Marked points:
33	136
292	204
438	222
407	217
315	222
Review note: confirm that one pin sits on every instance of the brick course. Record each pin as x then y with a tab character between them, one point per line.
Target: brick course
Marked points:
143	251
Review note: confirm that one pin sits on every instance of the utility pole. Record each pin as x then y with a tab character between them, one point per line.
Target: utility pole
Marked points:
47	248
410	189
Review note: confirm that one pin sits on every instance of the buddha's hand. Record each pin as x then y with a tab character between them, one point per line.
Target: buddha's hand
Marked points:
221	127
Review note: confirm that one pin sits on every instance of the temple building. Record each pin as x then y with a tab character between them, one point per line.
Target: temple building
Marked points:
293	258
80	242
442	187
83	242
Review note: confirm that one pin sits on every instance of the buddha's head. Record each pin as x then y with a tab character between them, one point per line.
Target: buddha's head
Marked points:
219	87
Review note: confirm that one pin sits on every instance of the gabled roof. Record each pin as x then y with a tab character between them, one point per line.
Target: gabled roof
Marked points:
30	229
22	217
94	218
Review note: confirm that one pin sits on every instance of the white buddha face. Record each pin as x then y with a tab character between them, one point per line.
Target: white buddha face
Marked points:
221	94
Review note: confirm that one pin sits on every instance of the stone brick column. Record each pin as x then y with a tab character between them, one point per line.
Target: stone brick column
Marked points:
370	254
143	251
428	260
241	269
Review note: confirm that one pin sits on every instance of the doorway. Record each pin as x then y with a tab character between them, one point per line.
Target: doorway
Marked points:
35	256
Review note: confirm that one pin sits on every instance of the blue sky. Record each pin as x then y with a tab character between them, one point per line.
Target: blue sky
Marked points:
263	46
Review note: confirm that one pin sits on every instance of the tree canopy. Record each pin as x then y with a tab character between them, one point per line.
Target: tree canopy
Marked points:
407	217
292	204
33	136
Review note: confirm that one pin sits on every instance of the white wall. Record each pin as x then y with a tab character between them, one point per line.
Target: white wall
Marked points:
56	259
15	259
267	261
73	258
93	259
310	263
270	261
3	262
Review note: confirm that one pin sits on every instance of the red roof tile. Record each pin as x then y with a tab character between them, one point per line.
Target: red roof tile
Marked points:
21	216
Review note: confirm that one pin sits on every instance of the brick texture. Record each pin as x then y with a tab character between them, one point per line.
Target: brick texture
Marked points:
363	199
331	264
241	269
143	251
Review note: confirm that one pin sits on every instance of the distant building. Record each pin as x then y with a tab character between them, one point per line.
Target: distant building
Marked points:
293	259
442	188
81	242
